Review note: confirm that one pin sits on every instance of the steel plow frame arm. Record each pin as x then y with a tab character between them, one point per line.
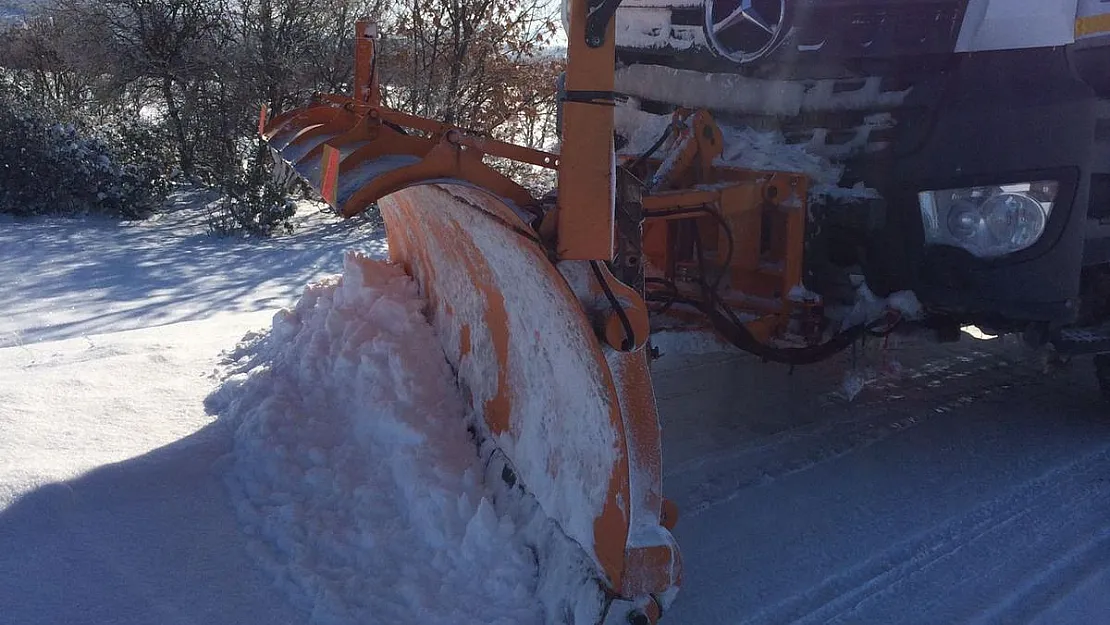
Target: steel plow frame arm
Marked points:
376	151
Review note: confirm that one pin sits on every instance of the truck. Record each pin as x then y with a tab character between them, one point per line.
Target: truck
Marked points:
982	126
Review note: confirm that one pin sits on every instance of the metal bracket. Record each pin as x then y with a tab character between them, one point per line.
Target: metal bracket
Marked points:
604	98
598	15
628	262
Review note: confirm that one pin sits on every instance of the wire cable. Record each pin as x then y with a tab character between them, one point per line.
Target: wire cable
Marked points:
640	160
721	221
629	340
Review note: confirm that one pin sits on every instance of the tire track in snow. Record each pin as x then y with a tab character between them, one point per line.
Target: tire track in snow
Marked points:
920	381
1042	591
1065	495
893	406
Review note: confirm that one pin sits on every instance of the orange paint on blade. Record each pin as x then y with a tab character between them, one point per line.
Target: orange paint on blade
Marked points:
464	340
329	179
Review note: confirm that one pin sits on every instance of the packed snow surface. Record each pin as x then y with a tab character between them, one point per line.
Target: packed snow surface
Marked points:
968	486
67	278
354	475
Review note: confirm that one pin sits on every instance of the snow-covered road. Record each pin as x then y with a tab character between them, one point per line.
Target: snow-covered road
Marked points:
964	484
973	488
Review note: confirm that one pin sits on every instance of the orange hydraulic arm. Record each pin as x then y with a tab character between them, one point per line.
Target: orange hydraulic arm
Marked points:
357	151
742	231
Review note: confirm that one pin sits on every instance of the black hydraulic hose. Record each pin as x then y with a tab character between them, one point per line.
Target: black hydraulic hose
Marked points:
741	337
721	221
629	341
733	331
640	160
727	324
673	295
738	334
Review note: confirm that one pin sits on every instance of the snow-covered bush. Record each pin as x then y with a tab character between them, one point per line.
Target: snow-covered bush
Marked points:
255	199
53	168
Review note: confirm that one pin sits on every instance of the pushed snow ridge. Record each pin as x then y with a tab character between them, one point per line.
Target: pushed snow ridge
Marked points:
353	474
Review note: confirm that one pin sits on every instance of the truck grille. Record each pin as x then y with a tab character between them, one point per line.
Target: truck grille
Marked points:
890	29
824	35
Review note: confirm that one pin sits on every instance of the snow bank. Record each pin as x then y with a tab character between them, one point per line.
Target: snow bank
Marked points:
353	471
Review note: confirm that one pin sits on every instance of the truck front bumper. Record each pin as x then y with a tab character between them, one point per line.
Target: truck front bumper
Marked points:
991	118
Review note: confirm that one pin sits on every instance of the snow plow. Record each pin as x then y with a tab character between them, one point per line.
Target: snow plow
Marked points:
545	306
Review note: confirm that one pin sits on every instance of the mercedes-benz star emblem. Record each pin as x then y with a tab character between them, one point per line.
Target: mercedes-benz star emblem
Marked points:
744	30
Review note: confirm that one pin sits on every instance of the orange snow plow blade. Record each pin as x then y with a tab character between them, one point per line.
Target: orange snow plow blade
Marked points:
574	418
560	390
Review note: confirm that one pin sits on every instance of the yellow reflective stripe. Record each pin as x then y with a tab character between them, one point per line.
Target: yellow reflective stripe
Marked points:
1092	25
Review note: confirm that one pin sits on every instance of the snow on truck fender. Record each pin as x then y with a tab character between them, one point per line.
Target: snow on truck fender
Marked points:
1014	24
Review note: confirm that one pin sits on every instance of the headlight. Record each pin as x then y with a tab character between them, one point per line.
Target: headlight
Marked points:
988	221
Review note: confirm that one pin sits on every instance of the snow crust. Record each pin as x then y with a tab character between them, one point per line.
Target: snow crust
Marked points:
354	475
750	148
69	406
112	503
67	278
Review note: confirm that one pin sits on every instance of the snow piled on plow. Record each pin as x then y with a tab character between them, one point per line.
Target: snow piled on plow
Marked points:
354	474
745	147
561	441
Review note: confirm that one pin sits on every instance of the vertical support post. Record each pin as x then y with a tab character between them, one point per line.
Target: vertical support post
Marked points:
367	89
628	260
587	164
795	198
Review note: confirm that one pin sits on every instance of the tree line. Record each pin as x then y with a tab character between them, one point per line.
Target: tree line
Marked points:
182	81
